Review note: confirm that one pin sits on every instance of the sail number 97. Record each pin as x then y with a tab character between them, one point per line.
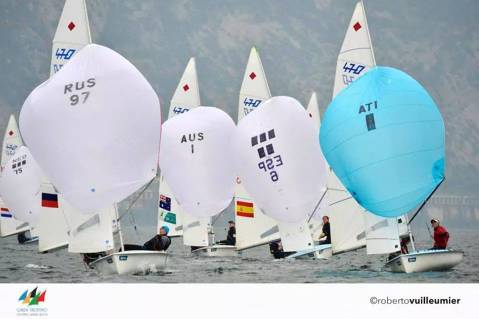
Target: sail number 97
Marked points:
77	91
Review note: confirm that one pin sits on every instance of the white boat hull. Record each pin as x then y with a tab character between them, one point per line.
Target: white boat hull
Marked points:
425	260
317	252
217	251
129	262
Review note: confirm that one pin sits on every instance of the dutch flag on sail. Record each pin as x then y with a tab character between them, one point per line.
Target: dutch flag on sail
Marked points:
5	212
49	200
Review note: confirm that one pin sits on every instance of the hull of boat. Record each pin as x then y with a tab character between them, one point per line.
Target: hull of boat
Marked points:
30	241
217	251
425	260
129	262
317	252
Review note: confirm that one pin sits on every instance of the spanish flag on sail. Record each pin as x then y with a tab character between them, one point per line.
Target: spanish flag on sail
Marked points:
244	209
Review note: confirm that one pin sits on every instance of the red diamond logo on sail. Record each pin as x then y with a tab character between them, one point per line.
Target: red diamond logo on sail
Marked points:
71	26
10	133
252	75
186	87
357	26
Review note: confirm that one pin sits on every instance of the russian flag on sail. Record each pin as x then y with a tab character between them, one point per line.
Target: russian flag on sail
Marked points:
5	212
49	200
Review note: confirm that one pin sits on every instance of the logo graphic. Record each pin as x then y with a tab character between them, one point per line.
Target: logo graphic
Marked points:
10	149
272	159
32	298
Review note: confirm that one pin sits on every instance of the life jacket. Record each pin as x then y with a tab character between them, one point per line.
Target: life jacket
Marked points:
441	237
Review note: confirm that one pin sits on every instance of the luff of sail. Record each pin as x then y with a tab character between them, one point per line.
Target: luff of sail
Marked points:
253	227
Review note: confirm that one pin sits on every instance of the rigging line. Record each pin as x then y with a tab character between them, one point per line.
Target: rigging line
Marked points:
425	201
136	199
317	205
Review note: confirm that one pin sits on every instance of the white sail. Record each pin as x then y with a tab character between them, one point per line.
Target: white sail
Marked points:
9	225
20	184
356	56
278	159
186	97
52	228
195	230
253	227
197	160
106	143
382	234
90	233
12	140
72	34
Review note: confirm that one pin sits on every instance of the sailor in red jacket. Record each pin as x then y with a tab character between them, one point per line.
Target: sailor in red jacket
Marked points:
441	235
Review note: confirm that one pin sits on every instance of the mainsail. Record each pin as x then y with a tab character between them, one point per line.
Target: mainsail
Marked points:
72	34
394	111
12	140
84	98
279	160
186	97
253	227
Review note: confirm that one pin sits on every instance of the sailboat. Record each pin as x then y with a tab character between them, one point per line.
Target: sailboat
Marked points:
253	227
118	163
394	111
9	225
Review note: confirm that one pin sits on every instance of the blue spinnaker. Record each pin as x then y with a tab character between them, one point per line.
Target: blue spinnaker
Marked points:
384	137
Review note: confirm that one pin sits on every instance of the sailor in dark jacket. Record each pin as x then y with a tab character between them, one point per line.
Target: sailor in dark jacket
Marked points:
231	237
326	232
160	242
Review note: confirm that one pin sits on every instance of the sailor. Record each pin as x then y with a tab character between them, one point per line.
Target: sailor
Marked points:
325	232
231	237
160	241
441	235
22	238
276	249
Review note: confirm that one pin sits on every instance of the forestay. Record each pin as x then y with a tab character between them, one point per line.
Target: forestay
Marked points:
384	137
106	143
72	34
20	184
197	160
279	162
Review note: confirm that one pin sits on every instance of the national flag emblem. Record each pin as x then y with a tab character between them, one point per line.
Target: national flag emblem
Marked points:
71	26
10	133
33	298
165	202
252	75
186	87
5	212
244	209
357	26
49	200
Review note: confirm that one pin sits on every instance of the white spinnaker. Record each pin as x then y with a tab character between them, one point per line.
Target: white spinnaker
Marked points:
20	184
186	97
12	140
90	233
105	120
278	160
72	34
356	56
256	228
197	160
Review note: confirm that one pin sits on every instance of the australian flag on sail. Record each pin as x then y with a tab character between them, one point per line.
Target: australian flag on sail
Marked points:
49	200
165	202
